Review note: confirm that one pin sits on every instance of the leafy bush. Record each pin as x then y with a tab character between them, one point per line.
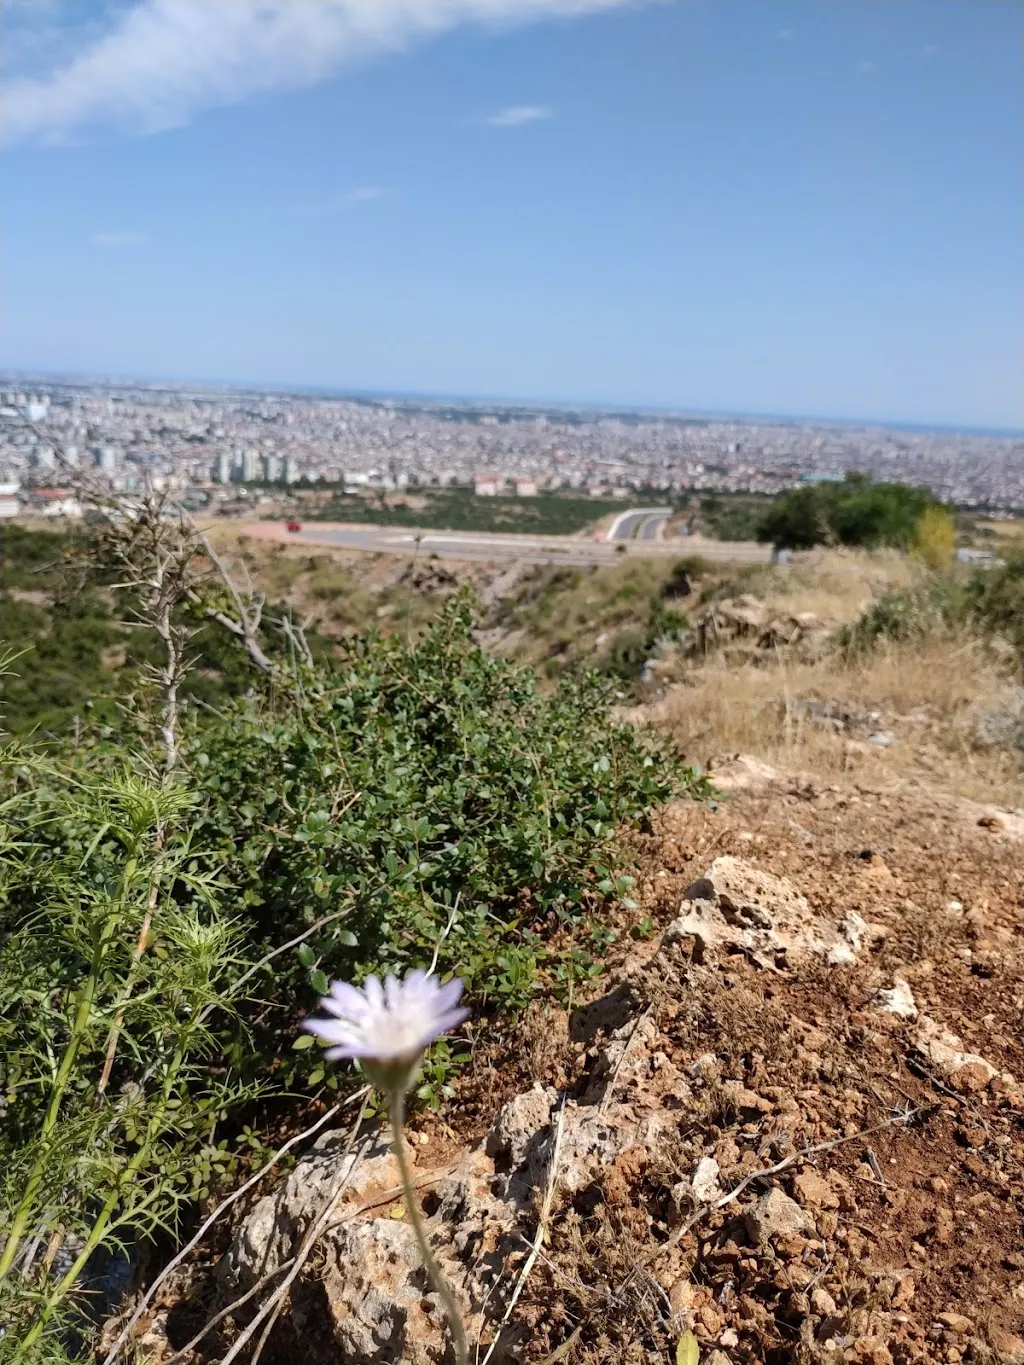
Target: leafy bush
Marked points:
857	511
934	538
424	787
988	600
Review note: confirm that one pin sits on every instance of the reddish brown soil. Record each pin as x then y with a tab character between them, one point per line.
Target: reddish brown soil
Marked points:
915	1253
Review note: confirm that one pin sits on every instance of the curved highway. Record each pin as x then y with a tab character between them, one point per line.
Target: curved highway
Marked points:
639	523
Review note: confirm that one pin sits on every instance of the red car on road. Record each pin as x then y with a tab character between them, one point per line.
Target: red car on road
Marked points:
293	525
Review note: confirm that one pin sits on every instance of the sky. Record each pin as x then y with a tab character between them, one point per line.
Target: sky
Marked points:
808	208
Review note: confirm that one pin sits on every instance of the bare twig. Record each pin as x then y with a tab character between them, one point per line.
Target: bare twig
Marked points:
542	1227
444	933
232	1307
271	1309
249	613
222	1208
276	952
796	1158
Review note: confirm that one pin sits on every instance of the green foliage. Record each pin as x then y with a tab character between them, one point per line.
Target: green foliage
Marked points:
436	795
988	600
115	963
459	509
857	511
161	938
731	516
83	660
993	599
631	647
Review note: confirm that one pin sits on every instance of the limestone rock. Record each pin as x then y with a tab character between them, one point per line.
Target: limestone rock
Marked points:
945	1051
1009	1349
704	1184
776	1215
898	1000
737	907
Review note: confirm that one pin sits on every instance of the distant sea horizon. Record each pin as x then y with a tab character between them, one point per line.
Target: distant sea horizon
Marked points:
486	402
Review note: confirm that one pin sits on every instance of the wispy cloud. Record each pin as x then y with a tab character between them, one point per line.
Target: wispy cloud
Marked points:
866	68
117	238
518	114
785	35
363	194
157	63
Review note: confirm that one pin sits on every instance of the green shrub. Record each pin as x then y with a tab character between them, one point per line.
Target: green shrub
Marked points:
988	600
857	511
424	783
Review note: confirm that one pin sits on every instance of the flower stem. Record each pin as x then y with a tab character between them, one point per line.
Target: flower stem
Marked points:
396	1106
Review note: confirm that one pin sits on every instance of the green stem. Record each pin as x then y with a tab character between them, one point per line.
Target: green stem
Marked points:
101	1226
396	1105
23	1215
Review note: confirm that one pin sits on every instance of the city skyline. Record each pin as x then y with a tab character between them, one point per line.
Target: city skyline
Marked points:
712	207
199	384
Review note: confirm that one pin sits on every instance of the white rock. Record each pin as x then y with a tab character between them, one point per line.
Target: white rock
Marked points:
776	1215
736	906
898	1000
945	1050
704	1184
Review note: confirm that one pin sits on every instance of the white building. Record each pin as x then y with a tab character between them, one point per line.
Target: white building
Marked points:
247	466
291	469
10	504
271	469
221	471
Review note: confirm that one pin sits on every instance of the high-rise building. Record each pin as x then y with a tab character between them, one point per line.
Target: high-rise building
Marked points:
271	469
249	466
221	471
291	469
105	459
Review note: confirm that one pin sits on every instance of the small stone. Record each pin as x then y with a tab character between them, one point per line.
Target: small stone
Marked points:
822	1302
904	1293
776	1215
705	1181
972	1077
813	1192
729	1338
956	1322
872	1351
710	1319
899	1000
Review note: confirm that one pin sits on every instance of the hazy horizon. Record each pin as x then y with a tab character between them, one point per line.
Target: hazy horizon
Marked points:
705	206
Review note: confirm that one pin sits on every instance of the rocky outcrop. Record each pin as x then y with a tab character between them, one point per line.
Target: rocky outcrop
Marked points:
737	908
369	1291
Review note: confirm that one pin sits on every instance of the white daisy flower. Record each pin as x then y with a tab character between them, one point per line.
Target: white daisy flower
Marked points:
387	1027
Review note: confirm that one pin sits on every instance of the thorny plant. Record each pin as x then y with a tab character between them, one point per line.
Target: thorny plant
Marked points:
113	959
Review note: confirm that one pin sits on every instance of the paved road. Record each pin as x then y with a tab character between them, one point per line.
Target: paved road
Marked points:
492	547
639	523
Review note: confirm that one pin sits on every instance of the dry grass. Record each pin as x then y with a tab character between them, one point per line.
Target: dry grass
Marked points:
834	584
931	697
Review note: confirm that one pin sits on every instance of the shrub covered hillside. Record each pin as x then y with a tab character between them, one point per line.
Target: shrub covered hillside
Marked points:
180	880
855	511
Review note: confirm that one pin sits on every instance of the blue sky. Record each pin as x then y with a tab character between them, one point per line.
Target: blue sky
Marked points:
724	205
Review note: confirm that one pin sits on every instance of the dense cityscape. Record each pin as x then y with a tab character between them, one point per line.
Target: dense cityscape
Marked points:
211	444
